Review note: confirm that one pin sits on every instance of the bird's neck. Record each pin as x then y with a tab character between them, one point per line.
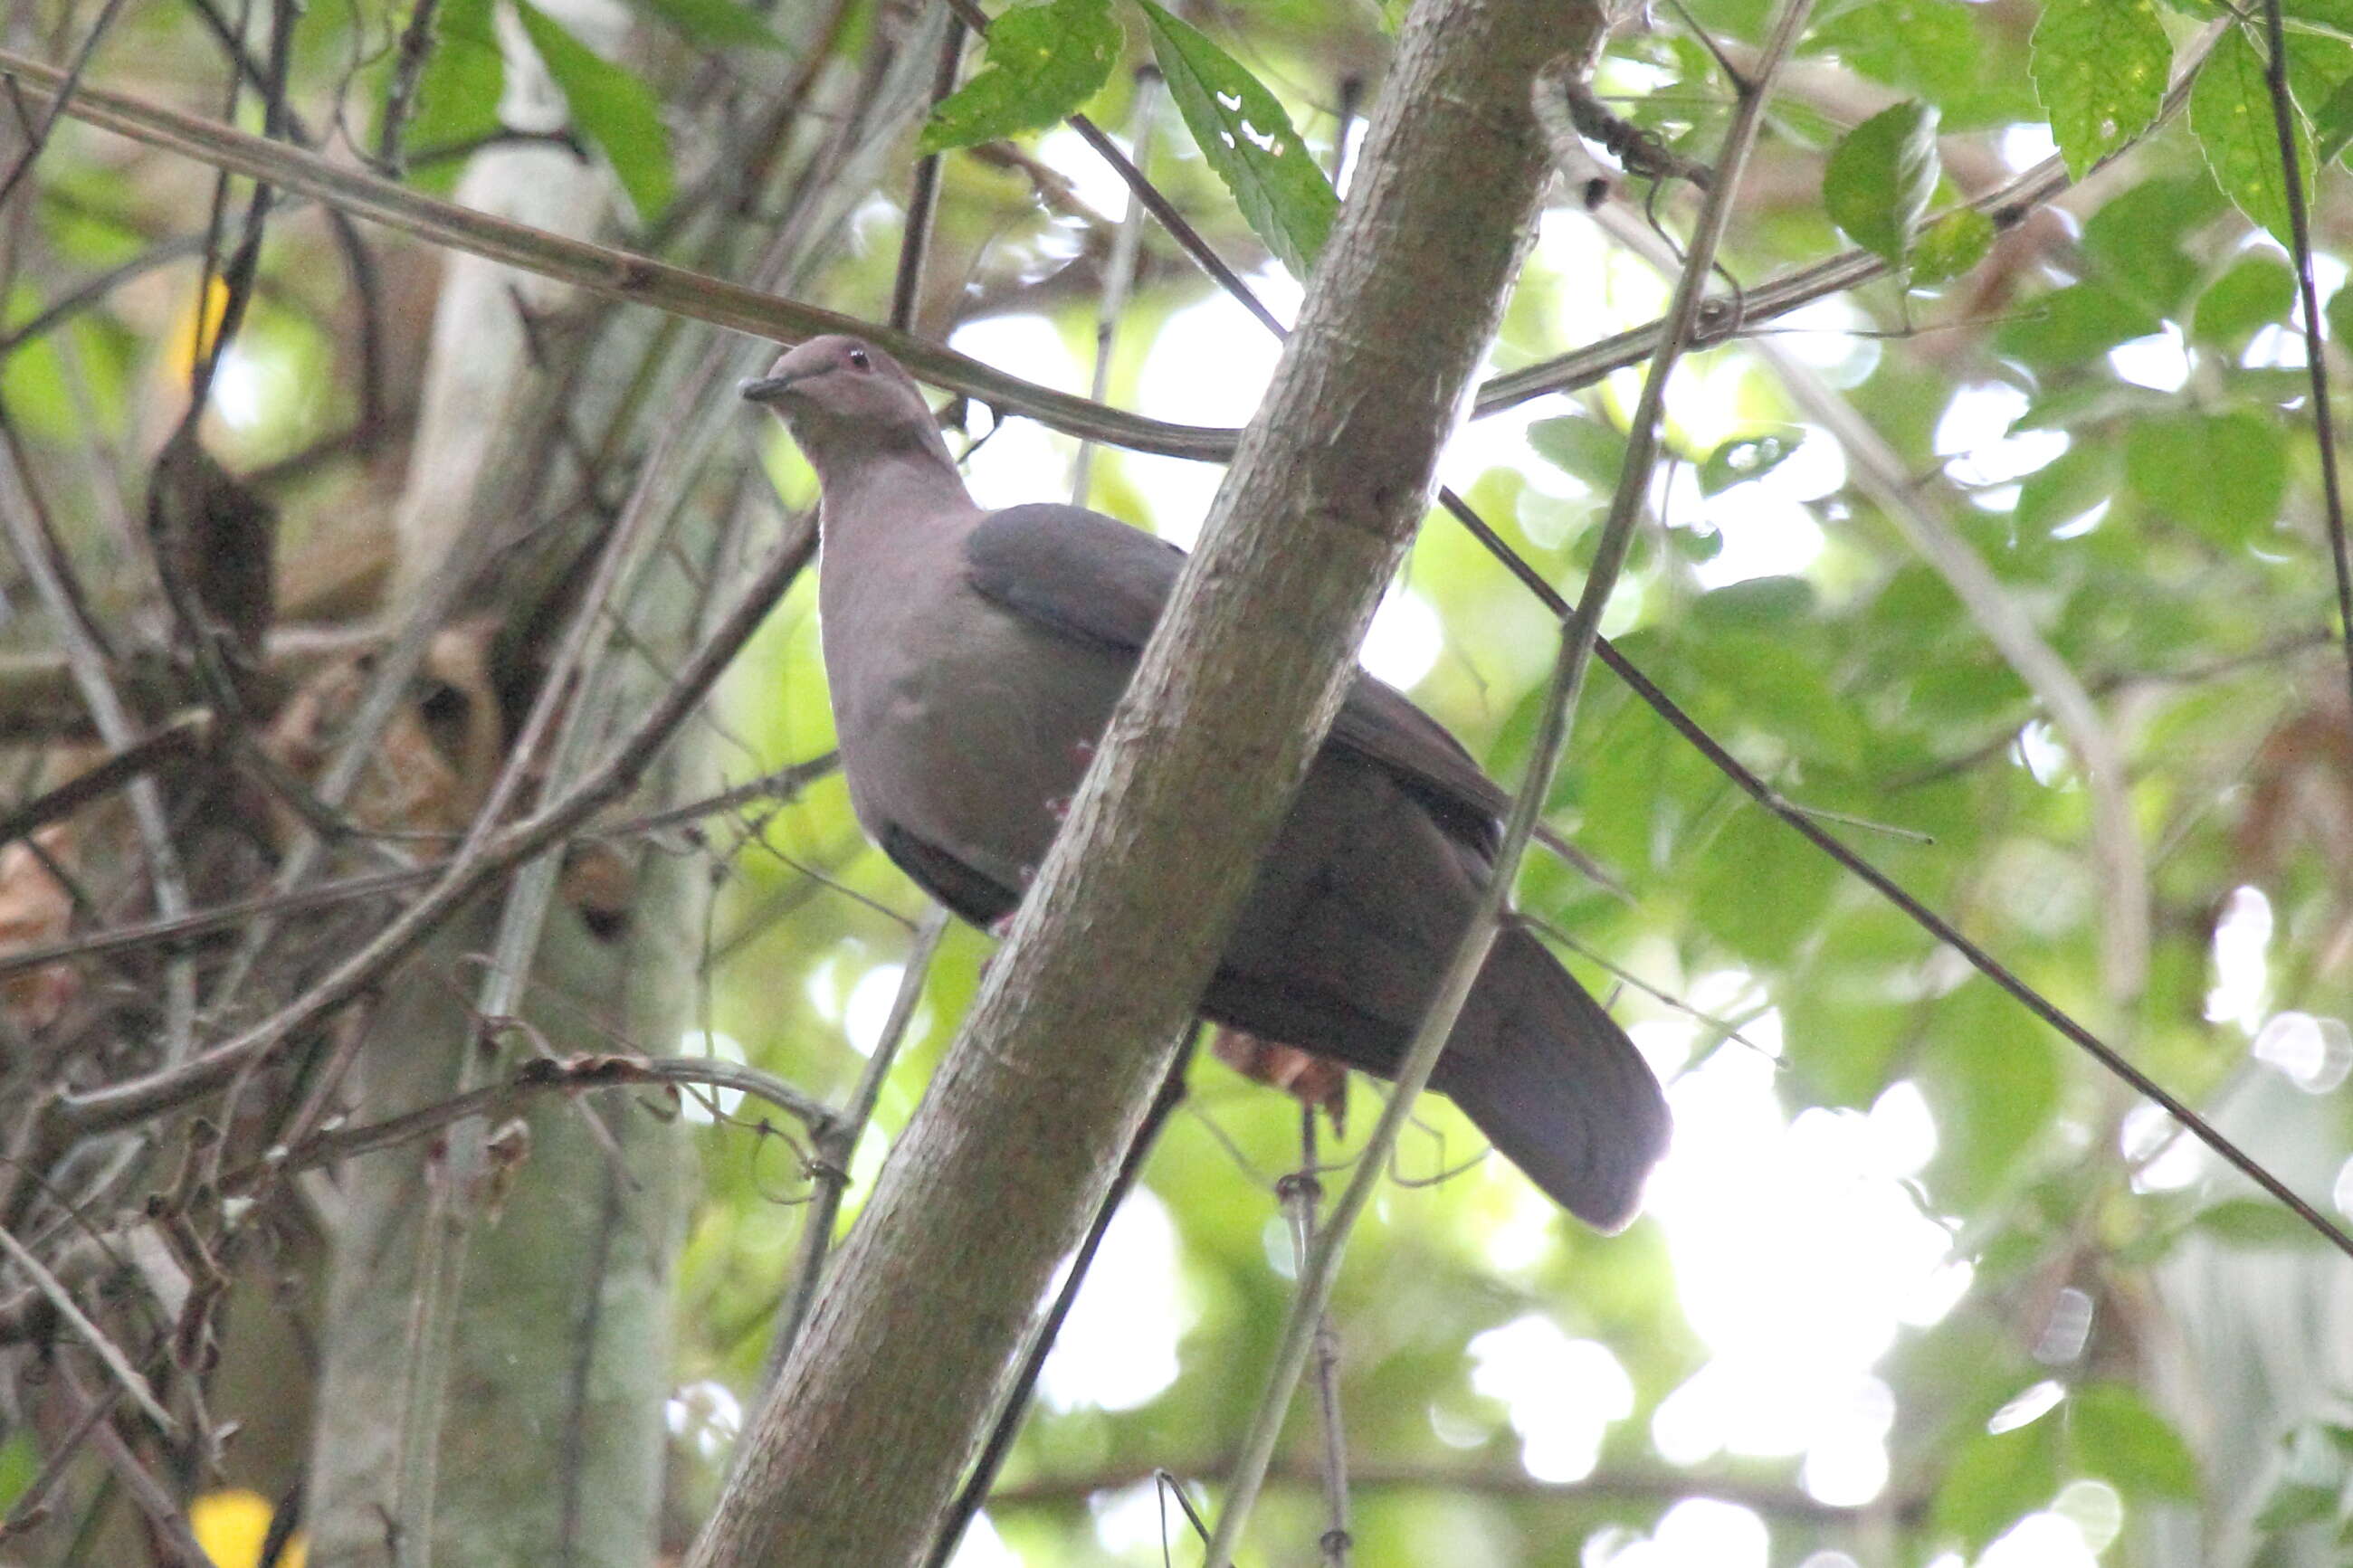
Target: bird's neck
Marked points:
901	482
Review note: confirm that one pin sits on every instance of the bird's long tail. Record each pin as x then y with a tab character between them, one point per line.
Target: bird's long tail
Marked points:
1555	1084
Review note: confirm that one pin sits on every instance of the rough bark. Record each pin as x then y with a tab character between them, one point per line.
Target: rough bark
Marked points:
859	1444
551	1446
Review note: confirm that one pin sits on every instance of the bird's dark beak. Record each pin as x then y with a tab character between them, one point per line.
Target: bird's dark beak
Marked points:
766	388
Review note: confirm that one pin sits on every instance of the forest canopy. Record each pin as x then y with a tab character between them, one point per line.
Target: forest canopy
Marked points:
449	1013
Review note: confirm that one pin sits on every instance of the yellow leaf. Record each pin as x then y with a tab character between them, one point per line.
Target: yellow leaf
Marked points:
232	1525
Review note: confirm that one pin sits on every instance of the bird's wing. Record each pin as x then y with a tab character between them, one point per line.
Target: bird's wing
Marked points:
1097	581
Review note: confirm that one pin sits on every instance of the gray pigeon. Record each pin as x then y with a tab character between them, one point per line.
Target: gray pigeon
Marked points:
974	658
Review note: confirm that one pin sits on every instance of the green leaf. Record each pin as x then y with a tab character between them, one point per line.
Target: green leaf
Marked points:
2084	477
2328	16
2118	1436
1879	178
1043	61
616	113
2221	474
2230	111
1743	459
1926	46
1997	1479
1583	449
1760	889
1248	139
2254	293
714	24
2099	71
2332	124
458	96
1992	1074
2292	1503
1951	245
2067	326
2254	1223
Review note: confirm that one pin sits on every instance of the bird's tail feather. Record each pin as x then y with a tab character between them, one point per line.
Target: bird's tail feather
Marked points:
1552	1080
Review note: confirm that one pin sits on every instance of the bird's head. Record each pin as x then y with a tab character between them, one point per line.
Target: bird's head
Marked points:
841	396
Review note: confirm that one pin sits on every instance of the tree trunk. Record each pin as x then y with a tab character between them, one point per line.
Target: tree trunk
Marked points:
859	1446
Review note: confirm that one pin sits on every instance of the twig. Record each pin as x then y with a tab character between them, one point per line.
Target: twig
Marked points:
407	70
109	1353
1302	1193
785	783
1119	279
540	1075
2316	362
2007	206
22	516
1880	474
836	1144
169	744
466	875
152	1498
599	269
923	200
38	138
1568	675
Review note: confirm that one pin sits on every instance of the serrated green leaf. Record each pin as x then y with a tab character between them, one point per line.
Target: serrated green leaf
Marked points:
1583	449
458	95
1743	459
2099	73
1879	178
2116	1434
714	24
612	109
1248	139
1042	62
2257	292
1951	245
2231	112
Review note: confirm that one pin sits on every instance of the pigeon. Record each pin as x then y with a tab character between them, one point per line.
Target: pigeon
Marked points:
974	657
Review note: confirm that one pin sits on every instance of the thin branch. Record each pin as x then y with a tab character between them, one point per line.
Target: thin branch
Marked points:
537	1076
923	200
2285	119
466	875
1119	278
1302	1193
599	269
837	1142
22	516
2007	206
39	139
182	738
109	1354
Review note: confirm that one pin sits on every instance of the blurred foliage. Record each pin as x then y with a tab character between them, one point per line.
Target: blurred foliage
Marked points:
2104	402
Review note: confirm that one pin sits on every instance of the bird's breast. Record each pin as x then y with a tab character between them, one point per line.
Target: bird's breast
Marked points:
962	723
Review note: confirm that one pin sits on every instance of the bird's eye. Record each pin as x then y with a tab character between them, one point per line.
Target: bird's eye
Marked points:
859	357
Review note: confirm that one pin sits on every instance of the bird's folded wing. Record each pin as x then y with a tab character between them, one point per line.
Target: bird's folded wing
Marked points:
1097	581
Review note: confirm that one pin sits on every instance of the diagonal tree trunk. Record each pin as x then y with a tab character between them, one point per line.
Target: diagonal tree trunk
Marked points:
859	1446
